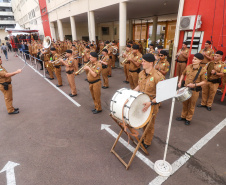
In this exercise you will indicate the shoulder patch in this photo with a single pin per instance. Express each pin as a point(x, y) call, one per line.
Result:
point(152, 78)
point(1, 69)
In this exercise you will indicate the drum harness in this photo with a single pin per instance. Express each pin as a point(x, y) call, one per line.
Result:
point(199, 88)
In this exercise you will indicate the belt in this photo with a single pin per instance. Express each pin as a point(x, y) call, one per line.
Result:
point(136, 71)
point(70, 72)
point(182, 61)
point(57, 67)
point(86, 62)
point(215, 81)
point(94, 81)
point(104, 66)
point(6, 83)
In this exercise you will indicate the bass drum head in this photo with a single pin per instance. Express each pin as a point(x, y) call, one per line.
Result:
point(138, 118)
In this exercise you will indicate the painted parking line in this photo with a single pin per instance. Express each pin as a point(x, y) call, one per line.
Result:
point(62, 92)
point(192, 151)
point(128, 146)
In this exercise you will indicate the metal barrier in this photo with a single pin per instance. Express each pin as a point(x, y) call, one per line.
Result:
point(32, 61)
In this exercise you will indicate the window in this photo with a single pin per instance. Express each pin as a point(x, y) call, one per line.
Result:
point(197, 42)
point(105, 30)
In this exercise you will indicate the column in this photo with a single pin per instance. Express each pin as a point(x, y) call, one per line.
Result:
point(122, 26)
point(130, 29)
point(60, 30)
point(176, 38)
point(113, 31)
point(53, 32)
point(73, 28)
point(91, 26)
point(154, 29)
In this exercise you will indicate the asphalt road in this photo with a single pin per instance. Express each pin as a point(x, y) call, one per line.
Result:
point(56, 142)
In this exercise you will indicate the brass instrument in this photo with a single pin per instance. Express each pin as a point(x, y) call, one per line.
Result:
point(105, 47)
point(210, 67)
point(115, 51)
point(156, 63)
point(81, 70)
point(124, 61)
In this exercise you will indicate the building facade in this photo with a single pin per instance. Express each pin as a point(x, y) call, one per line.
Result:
point(6, 18)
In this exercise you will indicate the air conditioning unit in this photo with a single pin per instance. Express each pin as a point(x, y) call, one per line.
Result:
point(187, 22)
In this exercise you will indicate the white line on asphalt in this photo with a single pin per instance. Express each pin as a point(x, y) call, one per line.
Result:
point(195, 148)
point(62, 92)
point(128, 146)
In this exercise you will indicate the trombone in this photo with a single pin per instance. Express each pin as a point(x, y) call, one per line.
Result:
point(81, 70)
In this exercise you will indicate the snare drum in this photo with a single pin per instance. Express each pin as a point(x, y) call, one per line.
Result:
point(183, 94)
point(133, 114)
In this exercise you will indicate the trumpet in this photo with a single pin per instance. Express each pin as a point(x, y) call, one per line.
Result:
point(81, 70)
point(124, 61)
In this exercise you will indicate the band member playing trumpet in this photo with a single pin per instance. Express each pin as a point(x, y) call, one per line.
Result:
point(94, 70)
point(210, 88)
point(71, 64)
point(207, 52)
point(181, 58)
point(191, 72)
point(162, 65)
point(104, 61)
point(57, 66)
point(134, 67)
point(86, 56)
point(125, 55)
point(148, 79)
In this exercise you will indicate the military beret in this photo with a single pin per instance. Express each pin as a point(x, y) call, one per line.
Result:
point(160, 47)
point(208, 42)
point(135, 47)
point(107, 42)
point(149, 57)
point(151, 45)
point(128, 46)
point(87, 47)
point(185, 43)
point(94, 54)
point(105, 50)
point(53, 49)
point(220, 52)
point(113, 41)
point(163, 52)
point(68, 51)
point(199, 56)
point(73, 45)
point(91, 44)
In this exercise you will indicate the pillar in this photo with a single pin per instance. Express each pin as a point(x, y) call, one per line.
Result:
point(154, 29)
point(176, 38)
point(73, 28)
point(130, 29)
point(91, 26)
point(122, 26)
point(60, 30)
point(52, 29)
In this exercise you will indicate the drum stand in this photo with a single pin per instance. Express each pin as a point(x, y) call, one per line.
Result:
point(138, 143)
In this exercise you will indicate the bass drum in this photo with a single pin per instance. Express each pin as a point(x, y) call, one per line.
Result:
point(133, 114)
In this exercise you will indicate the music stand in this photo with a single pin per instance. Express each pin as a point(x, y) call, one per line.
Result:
point(138, 143)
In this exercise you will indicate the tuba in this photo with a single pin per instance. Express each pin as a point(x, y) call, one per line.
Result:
point(115, 51)
point(47, 42)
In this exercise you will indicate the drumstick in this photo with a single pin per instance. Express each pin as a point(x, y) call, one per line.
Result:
point(24, 66)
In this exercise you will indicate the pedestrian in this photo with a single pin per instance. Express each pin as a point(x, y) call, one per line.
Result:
point(4, 50)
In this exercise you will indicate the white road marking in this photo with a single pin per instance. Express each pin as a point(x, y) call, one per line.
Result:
point(195, 148)
point(128, 146)
point(62, 92)
point(10, 175)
